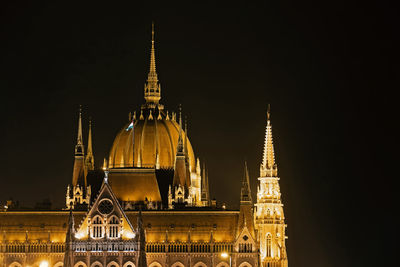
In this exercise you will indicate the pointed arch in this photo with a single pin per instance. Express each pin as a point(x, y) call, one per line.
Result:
point(155, 264)
point(15, 264)
point(58, 264)
point(200, 264)
point(80, 264)
point(112, 264)
point(178, 264)
point(96, 264)
point(129, 264)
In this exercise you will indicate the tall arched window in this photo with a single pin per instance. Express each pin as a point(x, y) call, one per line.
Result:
point(113, 227)
point(269, 245)
point(97, 227)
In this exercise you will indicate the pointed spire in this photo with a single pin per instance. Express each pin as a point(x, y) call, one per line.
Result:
point(152, 90)
point(89, 156)
point(79, 141)
point(180, 168)
point(180, 149)
point(78, 174)
point(245, 193)
point(268, 166)
point(205, 193)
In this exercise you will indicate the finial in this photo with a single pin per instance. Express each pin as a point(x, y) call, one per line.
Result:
point(152, 31)
point(268, 111)
point(105, 165)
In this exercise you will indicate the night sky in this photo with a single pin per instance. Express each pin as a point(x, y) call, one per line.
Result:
point(328, 71)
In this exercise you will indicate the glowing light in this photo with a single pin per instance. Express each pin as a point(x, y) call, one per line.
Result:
point(79, 235)
point(224, 255)
point(44, 264)
point(129, 234)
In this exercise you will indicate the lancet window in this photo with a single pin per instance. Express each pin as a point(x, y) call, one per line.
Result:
point(269, 245)
point(97, 227)
point(113, 227)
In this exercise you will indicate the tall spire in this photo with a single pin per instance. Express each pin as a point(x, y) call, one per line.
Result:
point(268, 166)
point(245, 193)
point(180, 170)
point(78, 175)
point(79, 141)
point(180, 149)
point(205, 193)
point(89, 160)
point(152, 89)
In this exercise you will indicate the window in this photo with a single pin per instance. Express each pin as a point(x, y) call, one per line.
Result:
point(269, 246)
point(97, 227)
point(113, 227)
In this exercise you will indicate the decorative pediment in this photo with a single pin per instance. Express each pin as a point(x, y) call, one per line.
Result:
point(105, 218)
point(245, 241)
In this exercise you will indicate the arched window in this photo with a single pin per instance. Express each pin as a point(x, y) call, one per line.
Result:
point(97, 227)
point(113, 227)
point(269, 245)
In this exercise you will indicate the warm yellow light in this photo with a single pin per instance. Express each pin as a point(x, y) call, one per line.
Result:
point(44, 264)
point(129, 234)
point(224, 255)
point(79, 235)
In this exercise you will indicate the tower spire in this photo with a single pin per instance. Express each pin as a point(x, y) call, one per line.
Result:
point(78, 175)
point(268, 165)
point(89, 160)
point(205, 193)
point(180, 150)
point(245, 194)
point(79, 140)
point(152, 89)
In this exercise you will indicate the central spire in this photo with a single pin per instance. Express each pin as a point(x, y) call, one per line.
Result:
point(152, 89)
point(268, 166)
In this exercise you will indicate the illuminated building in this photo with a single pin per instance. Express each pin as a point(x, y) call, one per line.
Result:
point(150, 205)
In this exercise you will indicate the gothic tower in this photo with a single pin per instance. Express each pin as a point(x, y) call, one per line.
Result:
point(79, 192)
point(269, 218)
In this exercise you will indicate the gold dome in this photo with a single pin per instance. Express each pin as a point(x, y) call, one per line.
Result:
point(154, 135)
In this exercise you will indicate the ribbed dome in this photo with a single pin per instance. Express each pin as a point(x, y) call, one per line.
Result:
point(153, 135)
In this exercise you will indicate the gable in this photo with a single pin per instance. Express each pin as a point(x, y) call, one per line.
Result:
point(105, 218)
point(245, 242)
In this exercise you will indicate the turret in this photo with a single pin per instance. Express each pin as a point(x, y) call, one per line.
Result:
point(78, 195)
point(180, 193)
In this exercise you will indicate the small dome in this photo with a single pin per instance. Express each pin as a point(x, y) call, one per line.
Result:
point(154, 135)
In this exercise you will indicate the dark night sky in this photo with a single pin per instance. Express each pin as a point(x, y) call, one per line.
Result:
point(328, 71)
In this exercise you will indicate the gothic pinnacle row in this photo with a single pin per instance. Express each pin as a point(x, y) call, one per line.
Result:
point(152, 89)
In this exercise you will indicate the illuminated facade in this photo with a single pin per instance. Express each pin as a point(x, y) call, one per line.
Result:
point(150, 205)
